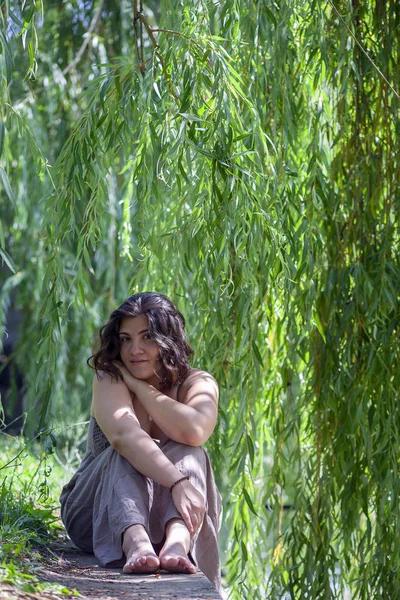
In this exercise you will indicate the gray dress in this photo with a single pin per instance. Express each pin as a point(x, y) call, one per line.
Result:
point(107, 495)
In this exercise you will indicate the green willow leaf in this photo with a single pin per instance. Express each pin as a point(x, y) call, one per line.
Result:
point(257, 353)
point(8, 260)
point(7, 186)
point(2, 134)
point(319, 326)
point(249, 502)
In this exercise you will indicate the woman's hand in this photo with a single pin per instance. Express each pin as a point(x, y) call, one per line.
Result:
point(190, 504)
point(128, 378)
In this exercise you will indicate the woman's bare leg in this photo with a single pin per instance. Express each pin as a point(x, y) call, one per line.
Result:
point(139, 551)
point(174, 554)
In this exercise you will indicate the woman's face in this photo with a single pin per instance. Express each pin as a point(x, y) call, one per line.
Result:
point(138, 351)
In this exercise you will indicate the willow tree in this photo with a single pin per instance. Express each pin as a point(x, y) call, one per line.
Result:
point(243, 158)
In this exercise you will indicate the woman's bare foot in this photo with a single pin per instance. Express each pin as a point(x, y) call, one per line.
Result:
point(174, 553)
point(139, 551)
point(174, 558)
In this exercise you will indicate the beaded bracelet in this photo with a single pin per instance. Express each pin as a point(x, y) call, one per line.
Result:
point(176, 482)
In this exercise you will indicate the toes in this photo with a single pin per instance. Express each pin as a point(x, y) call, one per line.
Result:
point(186, 565)
point(178, 564)
point(132, 566)
point(142, 564)
point(170, 562)
point(152, 562)
point(128, 568)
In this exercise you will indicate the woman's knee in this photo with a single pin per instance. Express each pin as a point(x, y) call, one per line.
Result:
point(181, 453)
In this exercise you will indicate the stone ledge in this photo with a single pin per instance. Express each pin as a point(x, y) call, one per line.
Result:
point(81, 571)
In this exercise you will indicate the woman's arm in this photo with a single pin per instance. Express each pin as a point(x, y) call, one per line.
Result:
point(190, 421)
point(113, 411)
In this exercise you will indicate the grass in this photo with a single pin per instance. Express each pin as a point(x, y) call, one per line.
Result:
point(31, 477)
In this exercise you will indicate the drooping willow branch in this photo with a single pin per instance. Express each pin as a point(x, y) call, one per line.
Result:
point(87, 39)
point(364, 50)
point(136, 20)
point(139, 17)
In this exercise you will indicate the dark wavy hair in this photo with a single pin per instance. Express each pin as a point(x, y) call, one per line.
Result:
point(166, 328)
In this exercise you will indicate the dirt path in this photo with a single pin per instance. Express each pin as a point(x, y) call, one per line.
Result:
point(81, 572)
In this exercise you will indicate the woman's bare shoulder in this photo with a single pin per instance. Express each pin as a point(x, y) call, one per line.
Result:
point(198, 374)
point(102, 378)
point(106, 386)
point(196, 377)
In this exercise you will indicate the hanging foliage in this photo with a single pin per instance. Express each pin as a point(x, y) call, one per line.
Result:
point(243, 158)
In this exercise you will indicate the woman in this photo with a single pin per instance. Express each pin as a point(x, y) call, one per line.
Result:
point(145, 488)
